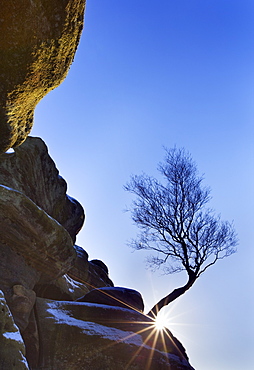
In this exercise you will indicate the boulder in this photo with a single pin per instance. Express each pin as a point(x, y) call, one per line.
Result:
point(81, 278)
point(62, 289)
point(101, 264)
point(80, 268)
point(12, 348)
point(98, 277)
point(78, 335)
point(29, 231)
point(21, 304)
point(37, 45)
point(32, 341)
point(115, 296)
point(93, 275)
point(31, 171)
point(15, 269)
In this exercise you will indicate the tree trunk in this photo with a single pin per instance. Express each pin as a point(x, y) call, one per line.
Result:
point(172, 296)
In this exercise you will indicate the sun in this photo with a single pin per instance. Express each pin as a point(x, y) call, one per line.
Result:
point(161, 321)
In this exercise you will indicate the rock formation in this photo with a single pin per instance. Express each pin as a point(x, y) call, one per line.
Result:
point(54, 293)
point(94, 336)
point(31, 171)
point(37, 45)
point(12, 348)
point(58, 310)
point(117, 296)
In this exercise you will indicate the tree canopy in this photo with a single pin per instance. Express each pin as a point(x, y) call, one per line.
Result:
point(174, 221)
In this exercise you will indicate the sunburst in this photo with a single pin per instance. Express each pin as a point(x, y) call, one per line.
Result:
point(154, 332)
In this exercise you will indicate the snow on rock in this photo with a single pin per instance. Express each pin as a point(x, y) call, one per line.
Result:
point(12, 348)
point(94, 336)
point(13, 336)
point(62, 316)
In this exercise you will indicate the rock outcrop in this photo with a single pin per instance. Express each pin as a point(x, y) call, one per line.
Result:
point(37, 45)
point(31, 171)
point(32, 233)
point(94, 336)
point(116, 296)
point(49, 284)
point(58, 310)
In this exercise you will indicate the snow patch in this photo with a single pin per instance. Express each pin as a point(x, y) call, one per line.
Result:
point(72, 284)
point(14, 335)
point(56, 304)
point(90, 328)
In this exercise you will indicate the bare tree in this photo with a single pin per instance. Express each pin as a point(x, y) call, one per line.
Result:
point(175, 223)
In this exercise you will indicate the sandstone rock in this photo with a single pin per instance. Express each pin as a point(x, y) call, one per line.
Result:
point(92, 336)
point(88, 273)
point(15, 269)
point(32, 342)
point(37, 45)
point(62, 289)
point(82, 277)
point(97, 277)
point(115, 296)
point(21, 304)
point(101, 264)
point(12, 349)
point(31, 171)
point(80, 268)
point(30, 232)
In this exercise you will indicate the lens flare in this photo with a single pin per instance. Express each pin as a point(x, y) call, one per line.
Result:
point(160, 322)
point(153, 333)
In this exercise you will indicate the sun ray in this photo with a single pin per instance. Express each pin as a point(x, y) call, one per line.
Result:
point(156, 328)
point(140, 348)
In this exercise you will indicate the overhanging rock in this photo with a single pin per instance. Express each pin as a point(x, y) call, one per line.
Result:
point(37, 45)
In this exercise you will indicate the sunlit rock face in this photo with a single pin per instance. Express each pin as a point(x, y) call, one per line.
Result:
point(12, 348)
point(37, 45)
point(89, 336)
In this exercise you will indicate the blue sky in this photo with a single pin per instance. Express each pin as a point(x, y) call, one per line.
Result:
point(168, 73)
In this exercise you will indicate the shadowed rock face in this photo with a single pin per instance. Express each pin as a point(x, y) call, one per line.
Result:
point(115, 296)
point(82, 277)
point(93, 336)
point(12, 348)
point(37, 45)
point(31, 171)
point(31, 233)
point(38, 259)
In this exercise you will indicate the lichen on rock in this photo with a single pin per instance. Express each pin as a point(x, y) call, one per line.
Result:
point(37, 45)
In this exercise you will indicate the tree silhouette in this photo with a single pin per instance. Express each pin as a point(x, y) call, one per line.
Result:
point(175, 223)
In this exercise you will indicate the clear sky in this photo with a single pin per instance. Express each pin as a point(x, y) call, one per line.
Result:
point(148, 74)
